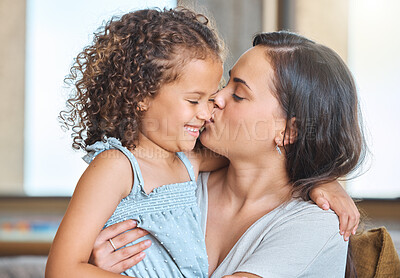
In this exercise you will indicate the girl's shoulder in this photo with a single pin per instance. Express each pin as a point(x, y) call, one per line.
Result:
point(113, 165)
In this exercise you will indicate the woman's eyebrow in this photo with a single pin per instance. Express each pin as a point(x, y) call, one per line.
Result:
point(239, 80)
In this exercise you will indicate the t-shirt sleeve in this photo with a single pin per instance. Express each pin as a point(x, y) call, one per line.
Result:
point(308, 245)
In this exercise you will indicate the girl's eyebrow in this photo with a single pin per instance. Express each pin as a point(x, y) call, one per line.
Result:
point(200, 93)
point(195, 92)
point(239, 80)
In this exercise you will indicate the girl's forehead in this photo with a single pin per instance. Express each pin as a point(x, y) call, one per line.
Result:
point(198, 76)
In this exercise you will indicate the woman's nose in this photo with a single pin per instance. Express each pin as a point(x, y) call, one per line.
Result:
point(220, 99)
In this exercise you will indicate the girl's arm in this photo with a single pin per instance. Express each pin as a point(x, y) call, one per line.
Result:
point(91, 205)
point(205, 160)
point(332, 195)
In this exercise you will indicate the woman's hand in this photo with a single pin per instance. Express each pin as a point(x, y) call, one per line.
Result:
point(103, 253)
point(332, 195)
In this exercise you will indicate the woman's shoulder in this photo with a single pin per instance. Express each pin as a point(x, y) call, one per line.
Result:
point(300, 211)
point(297, 239)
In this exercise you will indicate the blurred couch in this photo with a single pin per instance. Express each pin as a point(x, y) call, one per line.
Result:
point(22, 267)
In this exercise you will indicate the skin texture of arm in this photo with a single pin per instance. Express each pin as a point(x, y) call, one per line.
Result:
point(104, 183)
point(333, 196)
point(205, 160)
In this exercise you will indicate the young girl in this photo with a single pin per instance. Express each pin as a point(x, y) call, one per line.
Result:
point(143, 91)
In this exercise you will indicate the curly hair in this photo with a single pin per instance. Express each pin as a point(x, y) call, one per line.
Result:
point(130, 59)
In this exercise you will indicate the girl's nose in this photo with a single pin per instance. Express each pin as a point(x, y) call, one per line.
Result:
point(204, 113)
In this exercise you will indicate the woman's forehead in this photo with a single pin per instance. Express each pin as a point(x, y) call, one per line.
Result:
point(254, 68)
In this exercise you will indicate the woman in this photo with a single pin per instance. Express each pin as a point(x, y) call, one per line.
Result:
point(287, 121)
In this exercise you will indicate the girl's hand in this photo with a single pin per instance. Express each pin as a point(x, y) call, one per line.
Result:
point(332, 195)
point(103, 253)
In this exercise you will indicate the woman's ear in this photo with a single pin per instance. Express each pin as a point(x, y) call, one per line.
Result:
point(288, 135)
point(291, 131)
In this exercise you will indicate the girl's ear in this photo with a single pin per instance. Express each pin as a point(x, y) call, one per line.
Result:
point(288, 137)
point(143, 105)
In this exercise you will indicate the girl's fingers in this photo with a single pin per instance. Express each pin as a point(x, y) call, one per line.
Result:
point(343, 220)
point(353, 222)
point(322, 202)
point(355, 229)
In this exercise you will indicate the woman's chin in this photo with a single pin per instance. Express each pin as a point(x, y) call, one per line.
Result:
point(204, 139)
point(208, 142)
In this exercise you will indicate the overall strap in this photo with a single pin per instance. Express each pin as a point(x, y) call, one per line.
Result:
point(114, 143)
point(188, 165)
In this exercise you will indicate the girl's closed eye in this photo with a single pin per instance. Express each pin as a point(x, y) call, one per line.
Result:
point(212, 98)
point(193, 101)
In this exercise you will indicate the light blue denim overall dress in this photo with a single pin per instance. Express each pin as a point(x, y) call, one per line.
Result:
point(170, 213)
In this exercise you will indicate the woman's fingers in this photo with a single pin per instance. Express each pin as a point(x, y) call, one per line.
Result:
point(114, 257)
point(127, 263)
point(128, 237)
point(116, 229)
point(127, 257)
point(120, 260)
point(129, 251)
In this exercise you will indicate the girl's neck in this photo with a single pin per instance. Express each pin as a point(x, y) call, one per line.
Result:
point(150, 151)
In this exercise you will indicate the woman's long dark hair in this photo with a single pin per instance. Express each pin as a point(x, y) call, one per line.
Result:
point(315, 87)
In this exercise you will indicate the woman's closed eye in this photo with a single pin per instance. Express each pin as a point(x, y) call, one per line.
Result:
point(193, 101)
point(236, 97)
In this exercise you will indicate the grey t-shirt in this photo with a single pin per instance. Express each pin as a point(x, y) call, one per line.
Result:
point(297, 239)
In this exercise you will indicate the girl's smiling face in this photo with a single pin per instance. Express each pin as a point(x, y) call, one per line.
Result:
point(247, 115)
point(178, 111)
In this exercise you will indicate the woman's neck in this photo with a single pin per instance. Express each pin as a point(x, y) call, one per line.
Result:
point(252, 182)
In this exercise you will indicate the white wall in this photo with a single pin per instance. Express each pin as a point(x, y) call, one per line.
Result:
point(374, 58)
